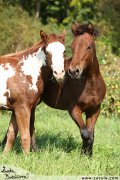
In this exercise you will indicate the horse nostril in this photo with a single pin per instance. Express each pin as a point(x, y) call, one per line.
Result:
point(62, 71)
point(74, 72)
point(55, 72)
point(77, 70)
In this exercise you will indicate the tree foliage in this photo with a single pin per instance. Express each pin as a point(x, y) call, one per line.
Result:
point(106, 13)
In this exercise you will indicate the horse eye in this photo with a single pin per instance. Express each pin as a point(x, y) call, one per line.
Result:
point(89, 46)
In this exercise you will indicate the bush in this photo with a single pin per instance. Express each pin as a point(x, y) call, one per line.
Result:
point(17, 30)
point(111, 74)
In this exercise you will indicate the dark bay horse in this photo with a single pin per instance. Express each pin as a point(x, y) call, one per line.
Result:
point(83, 90)
point(23, 76)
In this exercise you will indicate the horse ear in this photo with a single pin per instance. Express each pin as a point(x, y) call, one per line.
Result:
point(74, 27)
point(62, 35)
point(90, 28)
point(43, 35)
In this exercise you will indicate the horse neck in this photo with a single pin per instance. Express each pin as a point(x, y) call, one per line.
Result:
point(34, 64)
point(46, 71)
point(94, 67)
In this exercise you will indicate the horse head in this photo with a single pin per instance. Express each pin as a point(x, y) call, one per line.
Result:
point(54, 50)
point(83, 49)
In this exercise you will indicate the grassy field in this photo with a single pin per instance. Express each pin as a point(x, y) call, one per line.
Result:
point(59, 144)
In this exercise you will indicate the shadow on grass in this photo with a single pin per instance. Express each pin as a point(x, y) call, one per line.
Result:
point(51, 141)
point(67, 144)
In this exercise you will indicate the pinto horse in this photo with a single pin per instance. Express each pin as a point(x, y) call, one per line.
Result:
point(83, 89)
point(23, 77)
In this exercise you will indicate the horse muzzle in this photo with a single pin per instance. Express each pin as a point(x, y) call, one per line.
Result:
point(59, 76)
point(74, 73)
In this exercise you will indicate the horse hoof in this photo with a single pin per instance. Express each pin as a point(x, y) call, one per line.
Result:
point(87, 152)
point(34, 148)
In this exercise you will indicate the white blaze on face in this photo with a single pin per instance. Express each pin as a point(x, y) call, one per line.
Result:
point(6, 72)
point(32, 66)
point(57, 51)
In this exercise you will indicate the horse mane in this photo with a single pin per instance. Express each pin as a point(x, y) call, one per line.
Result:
point(30, 50)
point(81, 29)
point(18, 55)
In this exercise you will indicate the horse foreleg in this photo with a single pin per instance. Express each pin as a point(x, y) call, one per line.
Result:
point(32, 131)
point(22, 113)
point(91, 118)
point(13, 131)
point(11, 134)
point(76, 115)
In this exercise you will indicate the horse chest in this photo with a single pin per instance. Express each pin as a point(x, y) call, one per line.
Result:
point(90, 97)
point(89, 100)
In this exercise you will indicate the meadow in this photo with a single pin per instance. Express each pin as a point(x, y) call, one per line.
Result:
point(58, 137)
point(59, 146)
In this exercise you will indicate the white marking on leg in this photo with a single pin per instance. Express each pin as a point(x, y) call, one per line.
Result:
point(6, 72)
point(32, 66)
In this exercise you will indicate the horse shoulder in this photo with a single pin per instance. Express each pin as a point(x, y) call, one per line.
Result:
point(94, 92)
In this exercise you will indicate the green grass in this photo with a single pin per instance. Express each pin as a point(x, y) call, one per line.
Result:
point(59, 144)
